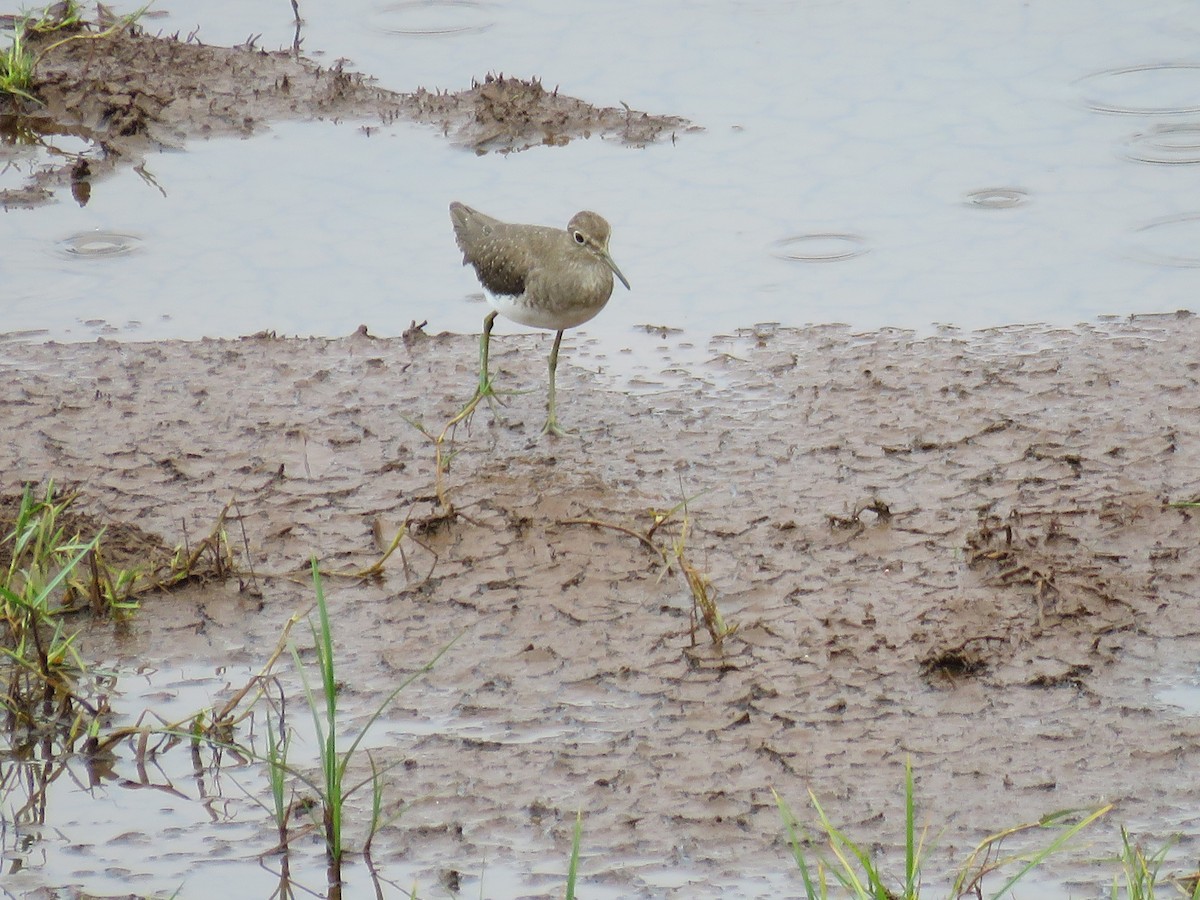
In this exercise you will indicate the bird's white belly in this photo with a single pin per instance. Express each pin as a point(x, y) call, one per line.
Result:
point(537, 316)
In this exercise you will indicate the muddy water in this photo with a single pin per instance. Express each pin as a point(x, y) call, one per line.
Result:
point(892, 127)
point(958, 549)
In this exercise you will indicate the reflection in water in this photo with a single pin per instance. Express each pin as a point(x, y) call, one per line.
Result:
point(38, 147)
point(822, 247)
point(16, 130)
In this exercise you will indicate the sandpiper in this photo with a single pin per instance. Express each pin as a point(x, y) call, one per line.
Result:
point(538, 276)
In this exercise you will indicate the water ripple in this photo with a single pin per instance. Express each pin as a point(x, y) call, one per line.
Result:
point(996, 198)
point(432, 18)
point(821, 247)
point(1170, 241)
point(1153, 89)
point(98, 245)
point(1166, 145)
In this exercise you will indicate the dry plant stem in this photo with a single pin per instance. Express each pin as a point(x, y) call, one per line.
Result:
point(698, 585)
point(241, 520)
point(122, 23)
point(376, 568)
point(985, 858)
point(280, 646)
point(142, 732)
point(697, 581)
point(216, 542)
point(446, 508)
point(644, 538)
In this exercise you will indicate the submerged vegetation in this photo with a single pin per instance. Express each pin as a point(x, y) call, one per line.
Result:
point(50, 574)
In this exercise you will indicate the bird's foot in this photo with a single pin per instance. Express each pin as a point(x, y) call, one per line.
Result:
point(552, 427)
point(485, 390)
point(495, 398)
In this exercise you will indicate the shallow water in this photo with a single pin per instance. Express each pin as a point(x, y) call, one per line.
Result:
point(868, 163)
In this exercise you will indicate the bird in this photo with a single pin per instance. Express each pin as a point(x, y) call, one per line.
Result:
point(539, 276)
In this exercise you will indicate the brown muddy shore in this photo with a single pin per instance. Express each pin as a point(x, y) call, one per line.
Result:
point(973, 550)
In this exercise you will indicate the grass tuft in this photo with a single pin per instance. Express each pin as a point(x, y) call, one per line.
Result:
point(332, 789)
point(18, 64)
point(16, 67)
point(43, 564)
point(854, 870)
point(1140, 873)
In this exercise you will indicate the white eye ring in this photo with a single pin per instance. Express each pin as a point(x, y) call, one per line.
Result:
point(579, 237)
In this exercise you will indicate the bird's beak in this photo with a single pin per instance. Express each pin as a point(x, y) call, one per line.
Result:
point(612, 265)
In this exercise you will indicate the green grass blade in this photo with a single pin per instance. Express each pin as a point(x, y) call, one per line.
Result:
point(1055, 845)
point(912, 875)
point(332, 767)
point(848, 876)
point(789, 824)
point(573, 867)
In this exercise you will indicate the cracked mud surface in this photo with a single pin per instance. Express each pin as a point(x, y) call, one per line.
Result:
point(961, 548)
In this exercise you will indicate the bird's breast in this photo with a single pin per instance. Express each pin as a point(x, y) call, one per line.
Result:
point(558, 297)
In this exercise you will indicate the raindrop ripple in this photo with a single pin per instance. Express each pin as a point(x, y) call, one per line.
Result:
point(821, 247)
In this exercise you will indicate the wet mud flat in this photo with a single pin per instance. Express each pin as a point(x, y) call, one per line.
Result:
point(971, 550)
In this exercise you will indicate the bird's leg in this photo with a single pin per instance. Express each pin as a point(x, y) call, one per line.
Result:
point(485, 380)
point(552, 426)
point(484, 388)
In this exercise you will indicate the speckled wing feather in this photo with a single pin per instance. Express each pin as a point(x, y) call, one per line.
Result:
point(501, 259)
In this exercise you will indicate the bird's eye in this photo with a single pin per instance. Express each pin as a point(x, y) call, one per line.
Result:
point(579, 237)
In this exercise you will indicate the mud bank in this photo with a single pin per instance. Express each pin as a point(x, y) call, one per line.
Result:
point(970, 549)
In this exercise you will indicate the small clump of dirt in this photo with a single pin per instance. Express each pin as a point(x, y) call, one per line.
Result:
point(507, 114)
point(127, 92)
